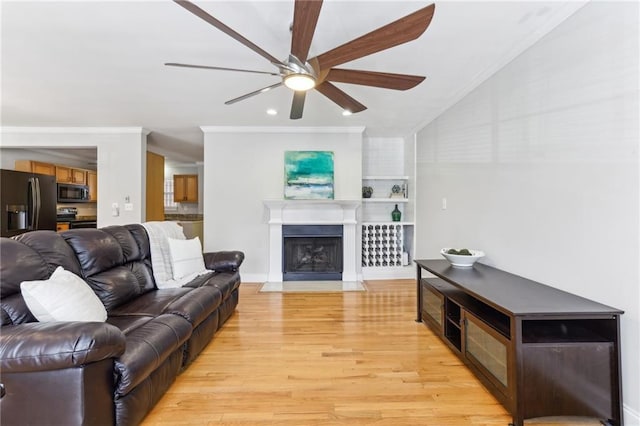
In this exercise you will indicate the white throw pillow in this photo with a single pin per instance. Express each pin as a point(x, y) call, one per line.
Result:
point(63, 297)
point(186, 257)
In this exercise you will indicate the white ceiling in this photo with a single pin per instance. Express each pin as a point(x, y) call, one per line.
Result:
point(100, 63)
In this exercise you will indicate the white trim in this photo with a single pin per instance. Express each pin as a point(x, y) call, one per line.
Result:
point(279, 129)
point(252, 278)
point(388, 273)
point(310, 212)
point(75, 130)
point(630, 416)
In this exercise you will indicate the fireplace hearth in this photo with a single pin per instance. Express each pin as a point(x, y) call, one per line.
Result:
point(312, 252)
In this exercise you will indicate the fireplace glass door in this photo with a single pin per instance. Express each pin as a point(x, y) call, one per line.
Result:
point(312, 257)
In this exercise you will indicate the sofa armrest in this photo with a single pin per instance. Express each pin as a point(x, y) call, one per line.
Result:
point(57, 345)
point(221, 261)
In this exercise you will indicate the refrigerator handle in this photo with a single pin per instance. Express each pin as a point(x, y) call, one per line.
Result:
point(34, 203)
point(38, 203)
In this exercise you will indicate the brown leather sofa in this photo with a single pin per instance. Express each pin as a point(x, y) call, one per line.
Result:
point(93, 373)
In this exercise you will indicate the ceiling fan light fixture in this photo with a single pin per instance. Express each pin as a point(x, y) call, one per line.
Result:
point(299, 82)
point(346, 113)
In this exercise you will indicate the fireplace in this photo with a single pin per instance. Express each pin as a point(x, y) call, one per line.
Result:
point(312, 252)
point(284, 213)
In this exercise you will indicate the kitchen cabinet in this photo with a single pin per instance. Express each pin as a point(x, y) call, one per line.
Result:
point(539, 350)
point(92, 182)
point(62, 226)
point(35, 167)
point(66, 174)
point(185, 188)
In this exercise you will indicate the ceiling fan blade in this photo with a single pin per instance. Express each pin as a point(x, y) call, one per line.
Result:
point(297, 106)
point(225, 29)
point(206, 67)
point(377, 79)
point(401, 31)
point(305, 18)
point(345, 101)
point(256, 92)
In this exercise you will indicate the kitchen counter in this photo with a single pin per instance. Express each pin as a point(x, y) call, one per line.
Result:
point(192, 228)
point(183, 217)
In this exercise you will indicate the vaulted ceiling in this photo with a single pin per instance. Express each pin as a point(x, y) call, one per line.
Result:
point(101, 63)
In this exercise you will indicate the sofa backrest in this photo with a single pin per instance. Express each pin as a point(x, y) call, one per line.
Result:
point(28, 257)
point(115, 261)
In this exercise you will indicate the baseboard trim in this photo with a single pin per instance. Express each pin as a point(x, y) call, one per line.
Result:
point(631, 416)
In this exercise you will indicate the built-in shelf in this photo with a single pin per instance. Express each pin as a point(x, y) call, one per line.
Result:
point(385, 177)
point(385, 200)
point(388, 223)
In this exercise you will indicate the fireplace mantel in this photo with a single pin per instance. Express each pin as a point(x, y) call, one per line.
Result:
point(312, 212)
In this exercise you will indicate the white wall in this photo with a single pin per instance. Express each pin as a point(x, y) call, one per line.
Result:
point(121, 163)
point(245, 166)
point(540, 169)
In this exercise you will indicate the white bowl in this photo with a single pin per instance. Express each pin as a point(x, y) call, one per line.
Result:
point(461, 260)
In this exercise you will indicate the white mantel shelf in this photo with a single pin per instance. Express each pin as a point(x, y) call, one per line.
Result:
point(312, 212)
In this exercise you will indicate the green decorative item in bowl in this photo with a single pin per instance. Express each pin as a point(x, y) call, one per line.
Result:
point(463, 258)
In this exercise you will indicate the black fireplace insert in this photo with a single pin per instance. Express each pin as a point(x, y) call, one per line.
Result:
point(312, 252)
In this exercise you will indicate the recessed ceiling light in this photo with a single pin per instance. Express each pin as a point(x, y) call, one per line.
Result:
point(346, 112)
point(272, 111)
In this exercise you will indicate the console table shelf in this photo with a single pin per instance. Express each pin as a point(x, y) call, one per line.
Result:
point(539, 350)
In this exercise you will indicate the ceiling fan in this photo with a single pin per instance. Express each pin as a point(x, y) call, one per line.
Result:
point(301, 74)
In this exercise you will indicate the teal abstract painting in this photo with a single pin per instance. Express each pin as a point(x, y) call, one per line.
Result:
point(308, 175)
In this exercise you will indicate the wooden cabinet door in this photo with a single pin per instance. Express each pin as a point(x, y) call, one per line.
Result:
point(70, 175)
point(155, 187)
point(488, 351)
point(35, 167)
point(185, 188)
point(63, 174)
point(179, 188)
point(79, 176)
point(191, 189)
point(432, 306)
point(43, 168)
point(92, 181)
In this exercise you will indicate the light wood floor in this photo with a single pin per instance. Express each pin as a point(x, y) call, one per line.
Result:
point(354, 358)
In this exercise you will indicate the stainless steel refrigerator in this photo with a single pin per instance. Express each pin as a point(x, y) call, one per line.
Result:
point(28, 202)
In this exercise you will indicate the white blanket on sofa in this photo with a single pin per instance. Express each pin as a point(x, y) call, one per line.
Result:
point(159, 233)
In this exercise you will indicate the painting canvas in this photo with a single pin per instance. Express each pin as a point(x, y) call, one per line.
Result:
point(308, 175)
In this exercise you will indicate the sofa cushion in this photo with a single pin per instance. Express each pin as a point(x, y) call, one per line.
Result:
point(112, 264)
point(135, 249)
point(96, 250)
point(194, 305)
point(19, 263)
point(147, 347)
point(226, 282)
point(186, 257)
point(53, 249)
point(63, 297)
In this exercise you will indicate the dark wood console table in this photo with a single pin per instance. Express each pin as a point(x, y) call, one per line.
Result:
point(539, 350)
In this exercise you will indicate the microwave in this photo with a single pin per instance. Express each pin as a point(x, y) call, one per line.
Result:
point(69, 193)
